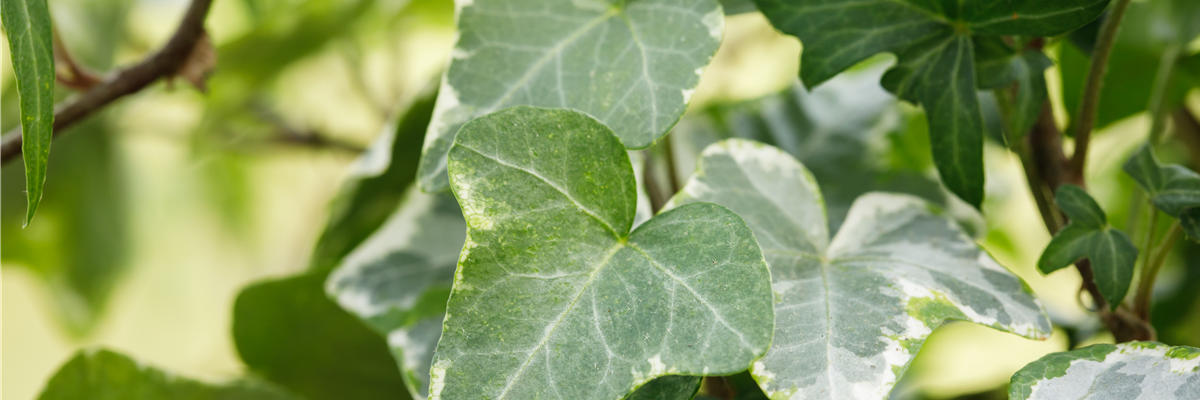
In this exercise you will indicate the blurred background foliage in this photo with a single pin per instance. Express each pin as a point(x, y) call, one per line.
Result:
point(161, 209)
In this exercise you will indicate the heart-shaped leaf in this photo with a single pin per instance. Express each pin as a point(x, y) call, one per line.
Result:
point(1127, 371)
point(104, 374)
point(27, 23)
point(936, 66)
point(554, 296)
point(852, 312)
point(1110, 251)
point(633, 65)
point(1173, 189)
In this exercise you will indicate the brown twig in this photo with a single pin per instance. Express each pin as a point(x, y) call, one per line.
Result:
point(77, 77)
point(164, 63)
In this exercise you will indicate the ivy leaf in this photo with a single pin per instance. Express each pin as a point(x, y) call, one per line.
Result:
point(374, 186)
point(1111, 252)
point(288, 332)
point(1173, 189)
point(27, 24)
point(936, 66)
point(398, 280)
point(104, 374)
point(853, 311)
point(841, 131)
point(555, 296)
point(1000, 65)
point(1147, 30)
point(670, 387)
point(632, 65)
point(1136, 370)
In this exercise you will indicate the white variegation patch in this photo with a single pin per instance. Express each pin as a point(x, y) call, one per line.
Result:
point(1128, 371)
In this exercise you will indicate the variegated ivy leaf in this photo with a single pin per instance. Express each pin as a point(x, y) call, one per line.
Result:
point(853, 311)
point(1110, 251)
point(398, 280)
point(631, 64)
point(936, 64)
point(1173, 189)
point(554, 297)
point(1127, 371)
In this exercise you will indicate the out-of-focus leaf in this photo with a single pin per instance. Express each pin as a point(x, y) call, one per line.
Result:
point(1147, 30)
point(853, 311)
point(80, 245)
point(936, 66)
point(734, 387)
point(734, 7)
point(670, 387)
point(30, 44)
point(632, 65)
point(1127, 371)
point(398, 280)
point(288, 332)
point(840, 130)
point(283, 37)
point(107, 375)
point(554, 296)
point(999, 65)
point(1176, 316)
point(1111, 252)
point(375, 185)
point(1172, 188)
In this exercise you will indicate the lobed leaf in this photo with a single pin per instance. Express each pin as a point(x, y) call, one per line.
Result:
point(104, 374)
point(1088, 235)
point(1127, 371)
point(632, 65)
point(27, 24)
point(936, 58)
point(555, 297)
point(852, 312)
point(849, 133)
point(1172, 188)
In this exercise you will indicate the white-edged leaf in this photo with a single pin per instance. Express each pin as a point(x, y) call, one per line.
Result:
point(1127, 371)
point(853, 311)
point(554, 297)
point(398, 280)
point(632, 65)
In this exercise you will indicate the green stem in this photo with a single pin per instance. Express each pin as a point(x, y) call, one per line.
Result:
point(1150, 271)
point(1091, 90)
point(1158, 95)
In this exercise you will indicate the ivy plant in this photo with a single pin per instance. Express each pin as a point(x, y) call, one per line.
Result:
point(559, 221)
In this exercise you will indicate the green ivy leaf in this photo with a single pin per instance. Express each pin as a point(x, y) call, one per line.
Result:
point(1000, 65)
point(936, 66)
point(1173, 189)
point(852, 312)
point(375, 185)
point(27, 24)
point(1111, 252)
point(288, 332)
point(1147, 30)
point(633, 65)
point(555, 296)
point(104, 374)
point(1127, 371)
point(670, 387)
point(398, 280)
